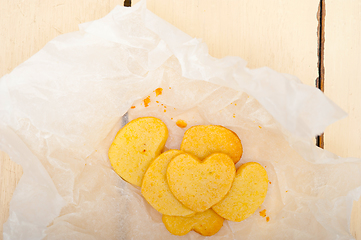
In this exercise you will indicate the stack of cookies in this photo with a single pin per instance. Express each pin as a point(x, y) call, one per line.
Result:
point(196, 187)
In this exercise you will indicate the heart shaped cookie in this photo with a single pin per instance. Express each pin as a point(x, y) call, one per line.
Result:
point(135, 146)
point(155, 188)
point(200, 184)
point(203, 140)
point(248, 192)
point(205, 223)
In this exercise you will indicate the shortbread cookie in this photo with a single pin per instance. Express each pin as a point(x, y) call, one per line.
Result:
point(155, 188)
point(203, 140)
point(206, 223)
point(135, 146)
point(248, 192)
point(200, 184)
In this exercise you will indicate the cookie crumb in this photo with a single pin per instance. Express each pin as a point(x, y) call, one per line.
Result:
point(146, 101)
point(267, 219)
point(262, 213)
point(158, 91)
point(181, 123)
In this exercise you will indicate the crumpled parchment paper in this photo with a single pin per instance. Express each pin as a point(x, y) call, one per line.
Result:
point(60, 110)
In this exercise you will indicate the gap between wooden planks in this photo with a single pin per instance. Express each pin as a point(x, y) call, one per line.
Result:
point(187, 16)
point(321, 51)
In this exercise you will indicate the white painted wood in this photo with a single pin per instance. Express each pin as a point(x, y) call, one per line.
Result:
point(343, 82)
point(343, 74)
point(280, 34)
point(25, 27)
point(10, 174)
point(283, 36)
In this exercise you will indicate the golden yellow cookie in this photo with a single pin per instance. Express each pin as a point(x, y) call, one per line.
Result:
point(205, 223)
point(203, 140)
point(200, 185)
point(248, 192)
point(135, 146)
point(155, 188)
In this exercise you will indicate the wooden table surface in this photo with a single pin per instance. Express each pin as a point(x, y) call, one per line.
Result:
point(284, 35)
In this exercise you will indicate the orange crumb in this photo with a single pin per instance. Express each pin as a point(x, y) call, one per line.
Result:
point(259, 126)
point(132, 107)
point(157, 101)
point(158, 91)
point(267, 219)
point(146, 101)
point(286, 191)
point(165, 110)
point(171, 118)
point(161, 104)
point(262, 213)
point(234, 116)
point(170, 88)
point(144, 150)
point(181, 123)
point(270, 183)
point(165, 106)
point(235, 104)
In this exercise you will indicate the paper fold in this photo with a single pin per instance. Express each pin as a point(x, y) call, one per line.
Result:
point(60, 111)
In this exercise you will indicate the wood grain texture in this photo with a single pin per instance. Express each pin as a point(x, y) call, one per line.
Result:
point(343, 83)
point(10, 174)
point(343, 74)
point(26, 26)
point(280, 34)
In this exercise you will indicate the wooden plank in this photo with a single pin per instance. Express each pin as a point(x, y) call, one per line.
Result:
point(278, 34)
point(343, 82)
point(25, 27)
point(282, 35)
point(10, 174)
point(343, 74)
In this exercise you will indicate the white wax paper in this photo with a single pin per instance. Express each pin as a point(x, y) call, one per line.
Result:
point(60, 110)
